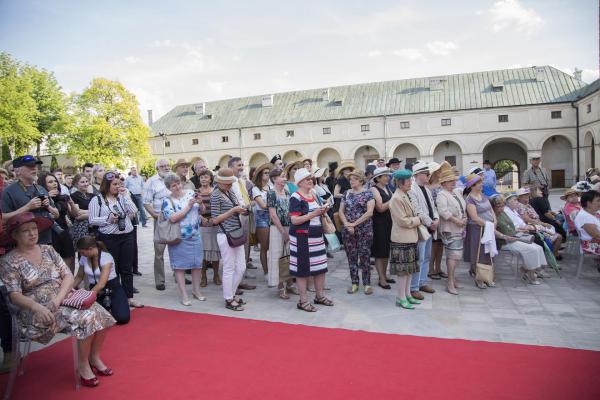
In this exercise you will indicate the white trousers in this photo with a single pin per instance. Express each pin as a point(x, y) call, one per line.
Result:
point(234, 266)
point(533, 255)
point(276, 247)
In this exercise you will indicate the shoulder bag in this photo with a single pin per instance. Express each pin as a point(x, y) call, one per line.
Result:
point(235, 237)
point(167, 232)
point(326, 223)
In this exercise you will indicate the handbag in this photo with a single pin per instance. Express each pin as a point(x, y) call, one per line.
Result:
point(333, 243)
point(167, 232)
point(423, 233)
point(284, 264)
point(80, 299)
point(483, 272)
point(236, 237)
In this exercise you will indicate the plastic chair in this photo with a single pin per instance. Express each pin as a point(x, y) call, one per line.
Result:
point(19, 357)
point(582, 256)
point(514, 255)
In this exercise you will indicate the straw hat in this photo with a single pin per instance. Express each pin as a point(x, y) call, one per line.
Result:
point(569, 192)
point(262, 167)
point(444, 174)
point(346, 165)
point(321, 172)
point(15, 222)
point(288, 167)
point(179, 163)
point(472, 179)
point(301, 175)
point(225, 175)
point(435, 170)
point(357, 173)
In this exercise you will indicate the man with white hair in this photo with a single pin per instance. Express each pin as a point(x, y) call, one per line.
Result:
point(154, 193)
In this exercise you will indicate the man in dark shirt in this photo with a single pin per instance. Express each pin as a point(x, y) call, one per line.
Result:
point(26, 195)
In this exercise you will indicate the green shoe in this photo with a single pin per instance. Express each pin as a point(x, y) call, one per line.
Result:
point(412, 300)
point(404, 304)
point(353, 289)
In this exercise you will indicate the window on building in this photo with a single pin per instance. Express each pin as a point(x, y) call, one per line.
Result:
point(257, 136)
point(224, 139)
point(404, 125)
point(451, 160)
point(556, 114)
point(365, 128)
point(326, 131)
point(446, 122)
point(589, 108)
point(503, 118)
point(194, 142)
point(167, 144)
point(289, 133)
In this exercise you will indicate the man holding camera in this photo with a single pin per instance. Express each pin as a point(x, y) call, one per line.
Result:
point(25, 195)
point(537, 176)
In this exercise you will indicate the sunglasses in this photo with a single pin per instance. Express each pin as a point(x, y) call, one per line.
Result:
point(110, 176)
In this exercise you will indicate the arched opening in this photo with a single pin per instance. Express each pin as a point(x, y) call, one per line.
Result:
point(291, 156)
point(364, 155)
point(448, 151)
point(557, 158)
point(509, 159)
point(407, 152)
point(257, 159)
point(327, 156)
point(589, 151)
point(224, 160)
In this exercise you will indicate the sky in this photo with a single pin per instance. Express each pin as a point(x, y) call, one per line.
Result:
point(179, 52)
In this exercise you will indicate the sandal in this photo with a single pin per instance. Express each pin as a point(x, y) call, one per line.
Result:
point(491, 284)
point(323, 301)
point(239, 300)
point(480, 285)
point(352, 289)
point(443, 275)
point(235, 307)
point(404, 304)
point(306, 306)
point(412, 300)
point(368, 290)
point(386, 286)
point(435, 276)
point(283, 295)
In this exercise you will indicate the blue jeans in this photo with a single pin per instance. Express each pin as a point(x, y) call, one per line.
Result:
point(137, 199)
point(420, 279)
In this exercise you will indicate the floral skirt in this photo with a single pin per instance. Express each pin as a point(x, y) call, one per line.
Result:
point(404, 258)
point(591, 246)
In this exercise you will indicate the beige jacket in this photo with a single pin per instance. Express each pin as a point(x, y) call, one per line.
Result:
point(404, 219)
point(450, 205)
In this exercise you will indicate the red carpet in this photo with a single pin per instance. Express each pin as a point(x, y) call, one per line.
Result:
point(166, 354)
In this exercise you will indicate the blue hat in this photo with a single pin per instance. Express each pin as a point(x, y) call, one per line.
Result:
point(402, 174)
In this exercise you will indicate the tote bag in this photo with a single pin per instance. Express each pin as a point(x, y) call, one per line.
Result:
point(167, 232)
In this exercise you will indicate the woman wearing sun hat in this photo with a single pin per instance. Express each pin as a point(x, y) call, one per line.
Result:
point(571, 208)
point(404, 259)
point(479, 211)
point(382, 224)
point(307, 246)
point(261, 210)
point(453, 220)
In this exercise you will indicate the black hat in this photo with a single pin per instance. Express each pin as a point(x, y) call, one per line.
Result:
point(26, 160)
point(370, 169)
point(393, 161)
point(333, 166)
point(275, 158)
point(487, 162)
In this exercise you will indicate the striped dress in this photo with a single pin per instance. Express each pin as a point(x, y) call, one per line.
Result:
point(308, 252)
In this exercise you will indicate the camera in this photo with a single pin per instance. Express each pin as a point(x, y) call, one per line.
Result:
point(105, 298)
point(121, 218)
point(41, 197)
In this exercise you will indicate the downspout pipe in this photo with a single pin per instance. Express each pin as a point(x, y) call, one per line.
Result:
point(577, 139)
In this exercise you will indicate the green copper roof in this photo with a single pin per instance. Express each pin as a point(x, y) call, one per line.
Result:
point(503, 88)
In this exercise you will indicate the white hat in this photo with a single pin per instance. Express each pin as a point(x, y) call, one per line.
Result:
point(419, 167)
point(523, 191)
point(301, 174)
point(320, 172)
point(433, 167)
point(381, 171)
point(475, 170)
point(535, 155)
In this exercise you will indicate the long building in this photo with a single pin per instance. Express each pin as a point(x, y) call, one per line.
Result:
point(465, 118)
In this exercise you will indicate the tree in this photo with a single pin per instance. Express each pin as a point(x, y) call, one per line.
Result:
point(503, 167)
point(18, 111)
point(107, 126)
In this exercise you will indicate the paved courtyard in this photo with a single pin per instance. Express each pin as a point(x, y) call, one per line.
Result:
point(559, 312)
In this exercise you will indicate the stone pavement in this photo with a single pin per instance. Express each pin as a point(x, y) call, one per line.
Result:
point(555, 313)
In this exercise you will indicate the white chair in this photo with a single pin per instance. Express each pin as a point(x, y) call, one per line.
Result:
point(516, 260)
point(19, 356)
point(582, 256)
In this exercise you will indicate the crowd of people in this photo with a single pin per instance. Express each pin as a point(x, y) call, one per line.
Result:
point(64, 231)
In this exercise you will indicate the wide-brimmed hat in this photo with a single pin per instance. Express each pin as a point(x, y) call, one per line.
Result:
point(262, 167)
point(289, 166)
point(444, 174)
point(393, 160)
point(179, 163)
point(472, 179)
point(23, 218)
point(225, 175)
point(475, 170)
point(509, 195)
point(357, 173)
point(420, 167)
point(275, 158)
point(434, 171)
point(321, 172)
point(569, 192)
point(523, 191)
point(301, 175)
point(380, 172)
point(582, 186)
point(346, 165)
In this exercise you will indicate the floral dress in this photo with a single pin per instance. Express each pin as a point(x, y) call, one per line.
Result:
point(358, 245)
point(526, 210)
point(41, 283)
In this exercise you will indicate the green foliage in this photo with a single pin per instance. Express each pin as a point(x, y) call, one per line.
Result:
point(5, 152)
point(107, 127)
point(503, 167)
point(148, 168)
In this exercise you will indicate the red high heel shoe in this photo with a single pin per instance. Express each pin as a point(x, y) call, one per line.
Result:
point(105, 372)
point(93, 382)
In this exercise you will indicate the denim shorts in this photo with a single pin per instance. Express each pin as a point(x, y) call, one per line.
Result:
point(262, 218)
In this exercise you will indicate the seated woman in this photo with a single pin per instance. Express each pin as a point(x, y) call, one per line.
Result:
point(98, 266)
point(542, 207)
point(38, 280)
point(571, 208)
point(530, 216)
point(588, 224)
point(507, 238)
